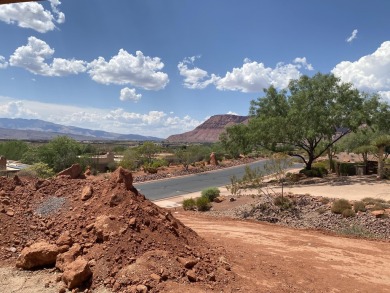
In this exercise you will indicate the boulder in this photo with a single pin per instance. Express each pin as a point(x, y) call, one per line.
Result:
point(121, 175)
point(39, 254)
point(74, 171)
point(213, 159)
point(76, 273)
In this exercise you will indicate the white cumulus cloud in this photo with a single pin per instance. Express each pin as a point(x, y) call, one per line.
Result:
point(254, 77)
point(16, 109)
point(32, 57)
point(124, 68)
point(128, 94)
point(352, 37)
point(303, 62)
point(251, 77)
point(32, 15)
point(370, 72)
point(194, 78)
point(3, 62)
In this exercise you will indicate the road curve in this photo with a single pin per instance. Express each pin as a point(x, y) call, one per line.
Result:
point(160, 189)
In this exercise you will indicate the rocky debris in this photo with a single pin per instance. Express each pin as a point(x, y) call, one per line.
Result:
point(210, 130)
point(73, 172)
point(69, 256)
point(305, 211)
point(40, 254)
point(126, 240)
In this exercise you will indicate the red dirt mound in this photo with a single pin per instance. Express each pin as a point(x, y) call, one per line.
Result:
point(106, 227)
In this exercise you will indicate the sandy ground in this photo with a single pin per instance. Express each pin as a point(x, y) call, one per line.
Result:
point(271, 258)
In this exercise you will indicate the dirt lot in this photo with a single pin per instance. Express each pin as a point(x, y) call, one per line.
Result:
point(271, 258)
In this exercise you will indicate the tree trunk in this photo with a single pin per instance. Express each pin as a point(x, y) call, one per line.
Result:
point(309, 163)
point(381, 151)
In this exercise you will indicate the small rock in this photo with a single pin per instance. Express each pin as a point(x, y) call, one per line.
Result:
point(187, 263)
point(191, 275)
point(142, 289)
point(86, 193)
point(10, 212)
point(155, 277)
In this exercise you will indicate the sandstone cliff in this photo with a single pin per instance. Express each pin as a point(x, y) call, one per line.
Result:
point(210, 130)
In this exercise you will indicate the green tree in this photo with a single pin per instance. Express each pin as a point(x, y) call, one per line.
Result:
point(308, 119)
point(14, 149)
point(191, 154)
point(131, 159)
point(60, 153)
point(236, 140)
point(148, 150)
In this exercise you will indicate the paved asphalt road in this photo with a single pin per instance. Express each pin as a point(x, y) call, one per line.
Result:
point(187, 184)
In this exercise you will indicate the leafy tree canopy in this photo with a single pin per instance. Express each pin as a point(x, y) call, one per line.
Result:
point(309, 117)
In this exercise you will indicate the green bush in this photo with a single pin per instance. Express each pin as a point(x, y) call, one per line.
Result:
point(348, 213)
point(203, 204)
point(359, 206)
point(340, 205)
point(189, 204)
point(210, 193)
point(321, 165)
point(347, 169)
point(284, 203)
point(39, 170)
point(314, 172)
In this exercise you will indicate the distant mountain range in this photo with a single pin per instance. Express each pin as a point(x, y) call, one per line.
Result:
point(210, 130)
point(35, 129)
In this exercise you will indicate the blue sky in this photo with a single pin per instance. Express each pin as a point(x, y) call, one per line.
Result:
point(157, 68)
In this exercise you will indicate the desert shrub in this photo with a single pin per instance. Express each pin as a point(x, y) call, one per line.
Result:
point(359, 206)
point(189, 204)
point(159, 163)
point(210, 193)
point(347, 169)
point(356, 230)
point(314, 172)
point(284, 203)
point(371, 200)
point(348, 213)
point(39, 170)
point(325, 200)
point(203, 204)
point(340, 205)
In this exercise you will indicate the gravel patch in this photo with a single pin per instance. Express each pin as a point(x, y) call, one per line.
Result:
point(50, 206)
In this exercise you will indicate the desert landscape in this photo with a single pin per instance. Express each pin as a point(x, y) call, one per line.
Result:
point(102, 227)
